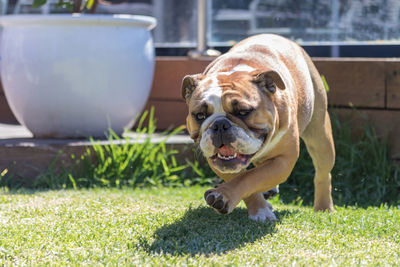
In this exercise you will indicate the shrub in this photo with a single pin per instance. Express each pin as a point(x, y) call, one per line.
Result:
point(126, 162)
point(364, 173)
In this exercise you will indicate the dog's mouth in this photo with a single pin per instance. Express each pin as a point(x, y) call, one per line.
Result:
point(229, 157)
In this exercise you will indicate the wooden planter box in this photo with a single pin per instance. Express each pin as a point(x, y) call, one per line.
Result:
point(372, 86)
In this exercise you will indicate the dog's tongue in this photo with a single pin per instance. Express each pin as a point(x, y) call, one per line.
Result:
point(226, 151)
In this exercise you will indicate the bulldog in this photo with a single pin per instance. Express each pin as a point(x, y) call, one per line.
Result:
point(251, 105)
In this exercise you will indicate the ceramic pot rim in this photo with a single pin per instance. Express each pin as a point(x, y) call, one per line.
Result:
point(77, 19)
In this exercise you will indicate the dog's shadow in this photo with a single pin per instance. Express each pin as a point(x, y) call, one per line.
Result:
point(202, 231)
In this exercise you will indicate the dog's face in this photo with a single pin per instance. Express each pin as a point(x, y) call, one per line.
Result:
point(231, 115)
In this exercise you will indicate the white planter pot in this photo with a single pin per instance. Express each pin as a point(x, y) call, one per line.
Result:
point(76, 75)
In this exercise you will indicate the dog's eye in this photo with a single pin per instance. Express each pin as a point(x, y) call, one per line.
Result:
point(243, 113)
point(200, 116)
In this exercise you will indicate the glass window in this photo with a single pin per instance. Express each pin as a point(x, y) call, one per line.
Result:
point(307, 21)
point(176, 19)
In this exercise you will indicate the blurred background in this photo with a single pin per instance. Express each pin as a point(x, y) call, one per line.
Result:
point(326, 28)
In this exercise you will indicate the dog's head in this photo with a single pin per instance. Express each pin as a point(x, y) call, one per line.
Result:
point(231, 114)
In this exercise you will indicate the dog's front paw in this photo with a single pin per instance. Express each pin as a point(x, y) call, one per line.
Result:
point(217, 201)
point(221, 199)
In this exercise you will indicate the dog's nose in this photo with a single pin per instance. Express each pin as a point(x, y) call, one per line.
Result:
point(221, 132)
point(221, 125)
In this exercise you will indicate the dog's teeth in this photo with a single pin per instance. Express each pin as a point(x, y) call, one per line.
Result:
point(226, 157)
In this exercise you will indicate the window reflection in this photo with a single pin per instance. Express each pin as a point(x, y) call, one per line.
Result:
point(308, 21)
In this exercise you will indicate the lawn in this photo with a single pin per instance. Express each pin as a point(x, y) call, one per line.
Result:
point(167, 226)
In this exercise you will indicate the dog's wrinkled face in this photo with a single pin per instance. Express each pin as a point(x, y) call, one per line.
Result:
point(231, 115)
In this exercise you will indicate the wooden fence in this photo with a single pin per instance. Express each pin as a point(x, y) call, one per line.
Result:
point(371, 86)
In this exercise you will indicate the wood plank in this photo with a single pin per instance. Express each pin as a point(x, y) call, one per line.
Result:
point(392, 70)
point(169, 72)
point(385, 122)
point(169, 114)
point(357, 83)
point(25, 158)
point(360, 82)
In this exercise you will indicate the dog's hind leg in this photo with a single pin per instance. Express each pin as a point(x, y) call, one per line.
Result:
point(320, 146)
point(259, 209)
point(319, 141)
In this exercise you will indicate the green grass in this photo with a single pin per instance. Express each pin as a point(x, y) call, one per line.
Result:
point(166, 226)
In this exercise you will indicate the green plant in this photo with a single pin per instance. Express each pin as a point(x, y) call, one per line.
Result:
point(76, 6)
point(129, 164)
point(126, 162)
point(364, 173)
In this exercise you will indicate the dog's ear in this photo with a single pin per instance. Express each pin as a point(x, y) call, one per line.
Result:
point(269, 80)
point(189, 84)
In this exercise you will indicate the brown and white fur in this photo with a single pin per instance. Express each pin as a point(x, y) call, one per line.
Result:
point(251, 105)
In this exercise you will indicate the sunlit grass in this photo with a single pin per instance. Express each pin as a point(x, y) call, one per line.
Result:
point(168, 226)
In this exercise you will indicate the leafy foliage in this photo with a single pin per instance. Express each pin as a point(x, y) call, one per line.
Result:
point(126, 162)
point(364, 173)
